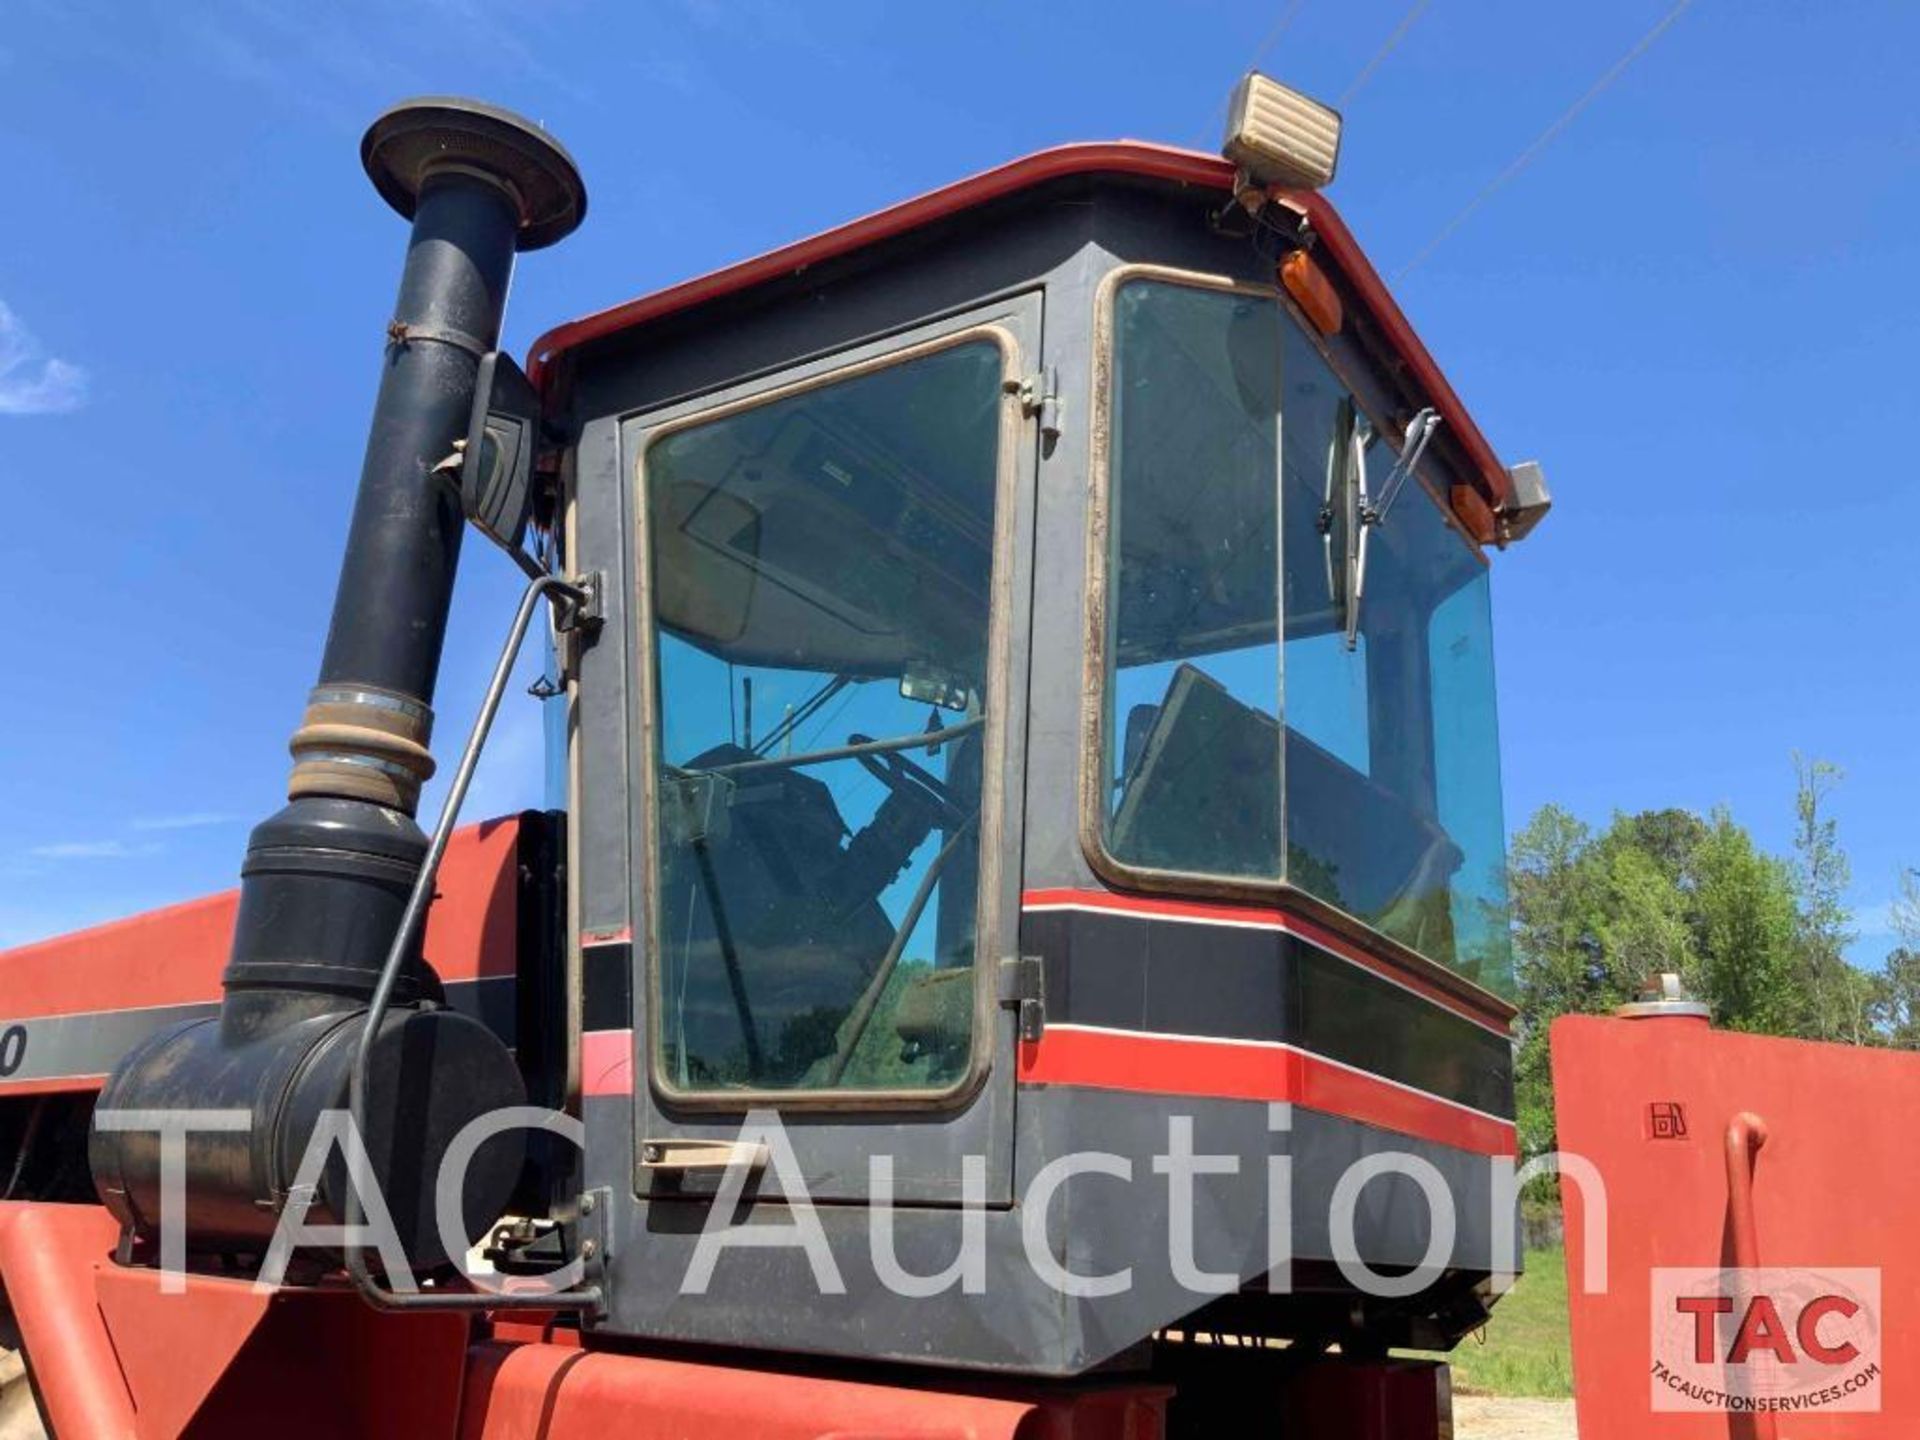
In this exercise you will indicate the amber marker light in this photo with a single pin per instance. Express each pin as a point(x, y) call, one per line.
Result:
point(1312, 292)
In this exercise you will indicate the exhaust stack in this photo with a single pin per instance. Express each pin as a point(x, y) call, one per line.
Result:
point(326, 879)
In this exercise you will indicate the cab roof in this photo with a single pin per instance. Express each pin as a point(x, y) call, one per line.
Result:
point(1336, 249)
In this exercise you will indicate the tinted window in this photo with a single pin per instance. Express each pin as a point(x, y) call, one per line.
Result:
point(821, 576)
point(1231, 679)
point(1193, 612)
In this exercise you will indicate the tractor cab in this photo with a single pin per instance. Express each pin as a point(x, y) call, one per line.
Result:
point(1044, 710)
point(1030, 891)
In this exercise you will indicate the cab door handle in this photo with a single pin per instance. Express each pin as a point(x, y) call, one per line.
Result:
point(681, 1155)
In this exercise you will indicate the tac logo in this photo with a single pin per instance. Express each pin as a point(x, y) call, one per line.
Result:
point(1770, 1339)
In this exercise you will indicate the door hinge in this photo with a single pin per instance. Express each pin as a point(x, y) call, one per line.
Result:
point(595, 1234)
point(1021, 988)
point(1040, 395)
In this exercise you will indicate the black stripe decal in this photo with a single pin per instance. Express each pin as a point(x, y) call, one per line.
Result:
point(56, 1047)
point(1135, 972)
point(606, 979)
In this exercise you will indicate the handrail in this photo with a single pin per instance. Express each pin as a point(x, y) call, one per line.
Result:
point(576, 598)
point(1746, 1134)
point(931, 739)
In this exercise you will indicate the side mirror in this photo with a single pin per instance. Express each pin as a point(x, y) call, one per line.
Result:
point(496, 463)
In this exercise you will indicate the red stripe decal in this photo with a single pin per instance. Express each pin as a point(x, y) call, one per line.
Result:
point(1178, 1065)
point(1308, 930)
point(1239, 1070)
point(606, 1062)
point(53, 1085)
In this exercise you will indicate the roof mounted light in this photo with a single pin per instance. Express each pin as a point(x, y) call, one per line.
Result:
point(1278, 136)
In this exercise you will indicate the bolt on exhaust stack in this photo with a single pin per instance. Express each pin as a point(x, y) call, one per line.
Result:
point(325, 879)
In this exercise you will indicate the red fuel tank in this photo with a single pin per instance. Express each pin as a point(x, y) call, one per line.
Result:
point(1757, 1244)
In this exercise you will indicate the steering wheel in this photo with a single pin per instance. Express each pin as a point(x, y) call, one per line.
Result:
point(910, 781)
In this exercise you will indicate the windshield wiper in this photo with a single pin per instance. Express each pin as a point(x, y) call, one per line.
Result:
point(1363, 510)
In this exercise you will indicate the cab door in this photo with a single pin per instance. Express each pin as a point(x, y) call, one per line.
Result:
point(833, 570)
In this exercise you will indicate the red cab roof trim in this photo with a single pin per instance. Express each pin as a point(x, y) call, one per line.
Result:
point(1127, 157)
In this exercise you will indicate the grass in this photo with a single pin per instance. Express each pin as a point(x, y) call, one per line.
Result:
point(1525, 1349)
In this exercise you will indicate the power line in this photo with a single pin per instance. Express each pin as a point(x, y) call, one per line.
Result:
point(1387, 47)
point(1547, 137)
point(1279, 28)
point(1287, 15)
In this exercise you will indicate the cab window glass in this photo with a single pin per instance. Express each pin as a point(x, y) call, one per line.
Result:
point(821, 574)
point(1248, 734)
point(1192, 775)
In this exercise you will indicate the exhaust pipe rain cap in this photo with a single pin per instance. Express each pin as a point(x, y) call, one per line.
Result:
point(416, 137)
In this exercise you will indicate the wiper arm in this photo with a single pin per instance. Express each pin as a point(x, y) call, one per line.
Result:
point(1363, 511)
point(1412, 446)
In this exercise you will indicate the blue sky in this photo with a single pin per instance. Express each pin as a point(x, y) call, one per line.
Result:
point(1694, 305)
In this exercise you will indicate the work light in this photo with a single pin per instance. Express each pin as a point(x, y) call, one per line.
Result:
point(1280, 137)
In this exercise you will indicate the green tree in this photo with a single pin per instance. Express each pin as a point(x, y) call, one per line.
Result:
point(1905, 910)
point(1899, 999)
point(1593, 918)
point(1671, 837)
point(1841, 998)
point(1642, 926)
point(1745, 928)
point(1761, 939)
point(1557, 962)
point(1898, 1010)
point(1597, 916)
